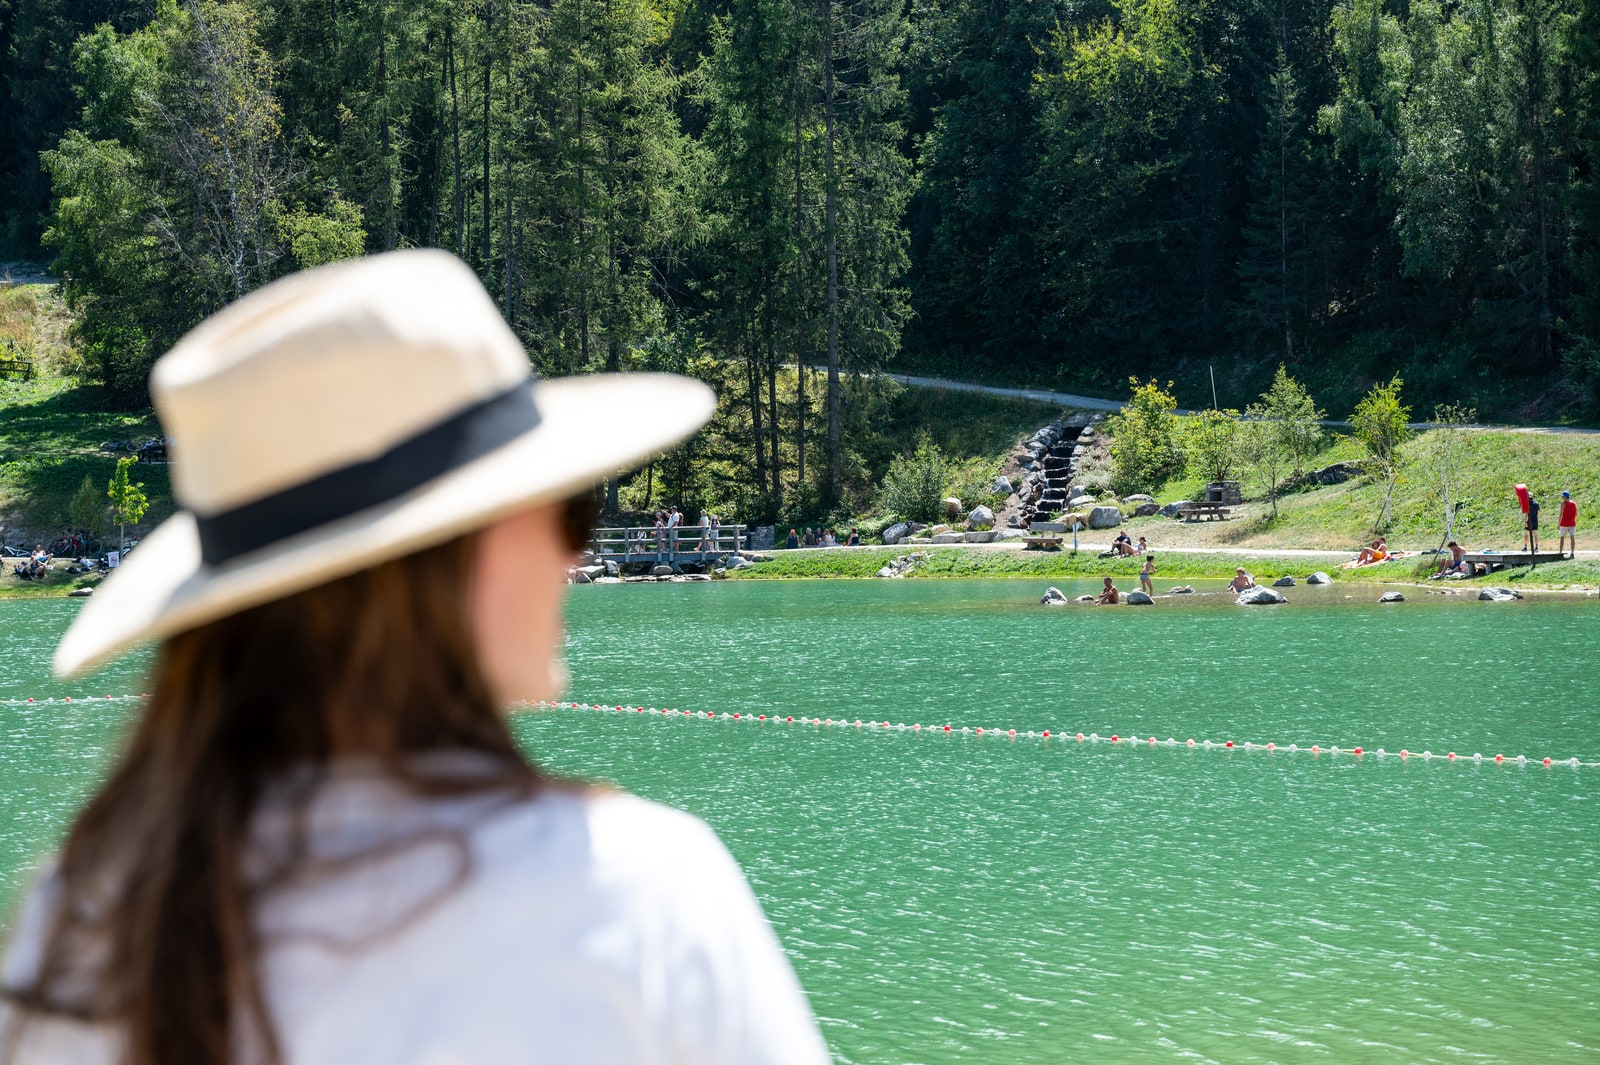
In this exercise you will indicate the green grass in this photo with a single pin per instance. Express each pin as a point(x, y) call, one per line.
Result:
point(1053, 565)
point(57, 582)
point(50, 432)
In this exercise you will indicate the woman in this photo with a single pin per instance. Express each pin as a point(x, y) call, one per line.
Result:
point(321, 844)
point(1146, 573)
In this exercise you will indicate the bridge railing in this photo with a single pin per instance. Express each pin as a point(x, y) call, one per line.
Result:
point(646, 542)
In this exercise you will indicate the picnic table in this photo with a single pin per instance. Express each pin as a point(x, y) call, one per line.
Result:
point(1207, 510)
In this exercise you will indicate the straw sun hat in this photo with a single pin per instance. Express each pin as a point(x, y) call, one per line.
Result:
point(350, 415)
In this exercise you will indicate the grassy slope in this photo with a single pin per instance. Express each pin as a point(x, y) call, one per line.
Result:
point(51, 428)
point(1343, 516)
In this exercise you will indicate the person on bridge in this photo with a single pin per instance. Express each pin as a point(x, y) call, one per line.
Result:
point(1567, 525)
point(351, 860)
point(1530, 527)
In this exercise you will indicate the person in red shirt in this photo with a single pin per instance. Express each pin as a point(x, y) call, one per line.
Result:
point(1567, 524)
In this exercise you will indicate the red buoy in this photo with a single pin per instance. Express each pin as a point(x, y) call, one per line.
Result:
point(1357, 750)
point(1499, 757)
point(1271, 747)
point(1080, 737)
point(1046, 732)
point(980, 730)
point(736, 717)
point(790, 720)
point(1404, 753)
point(1547, 761)
point(1228, 744)
point(1113, 738)
point(1190, 742)
point(1011, 732)
point(1152, 741)
point(947, 728)
point(763, 717)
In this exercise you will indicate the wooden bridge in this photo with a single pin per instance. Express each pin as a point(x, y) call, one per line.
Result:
point(647, 544)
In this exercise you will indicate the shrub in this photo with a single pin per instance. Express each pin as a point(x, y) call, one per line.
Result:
point(914, 485)
point(1213, 444)
point(1146, 448)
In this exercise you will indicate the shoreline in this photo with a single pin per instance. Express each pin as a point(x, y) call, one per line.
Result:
point(1008, 561)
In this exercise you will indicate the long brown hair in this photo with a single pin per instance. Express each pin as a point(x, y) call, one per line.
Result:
point(152, 926)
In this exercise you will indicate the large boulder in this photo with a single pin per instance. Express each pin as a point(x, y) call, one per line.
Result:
point(1001, 486)
point(1105, 518)
point(1498, 595)
point(1283, 582)
point(1319, 577)
point(980, 536)
point(981, 517)
point(952, 508)
point(1053, 597)
point(662, 570)
point(937, 529)
point(949, 538)
point(1260, 597)
point(1391, 597)
point(734, 562)
point(1144, 510)
point(1080, 501)
point(1138, 497)
point(1140, 599)
point(577, 576)
point(1010, 534)
point(1173, 510)
point(1182, 589)
point(612, 569)
point(896, 532)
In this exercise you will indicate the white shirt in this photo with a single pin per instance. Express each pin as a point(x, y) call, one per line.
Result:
point(591, 928)
point(674, 519)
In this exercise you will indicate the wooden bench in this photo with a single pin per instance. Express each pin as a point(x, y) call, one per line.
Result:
point(1196, 511)
point(1051, 539)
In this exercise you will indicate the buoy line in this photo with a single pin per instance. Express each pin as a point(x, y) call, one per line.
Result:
point(1132, 742)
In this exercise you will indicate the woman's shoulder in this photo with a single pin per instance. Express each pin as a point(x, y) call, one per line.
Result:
point(607, 838)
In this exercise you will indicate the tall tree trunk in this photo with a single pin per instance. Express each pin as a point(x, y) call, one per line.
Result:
point(455, 123)
point(488, 70)
point(438, 168)
point(772, 415)
point(831, 222)
point(753, 373)
point(385, 138)
point(799, 280)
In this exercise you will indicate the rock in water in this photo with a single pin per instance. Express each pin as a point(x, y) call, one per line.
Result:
point(1319, 577)
point(81, 593)
point(1391, 597)
point(1260, 597)
point(1283, 582)
point(1086, 599)
point(1053, 597)
point(1182, 589)
point(1105, 518)
point(1498, 595)
point(1140, 599)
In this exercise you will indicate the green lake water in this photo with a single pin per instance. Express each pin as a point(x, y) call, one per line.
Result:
point(949, 898)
